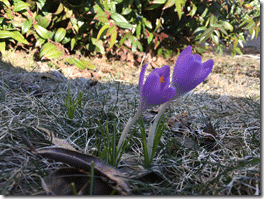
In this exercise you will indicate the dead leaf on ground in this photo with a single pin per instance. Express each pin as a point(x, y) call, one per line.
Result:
point(181, 126)
point(63, 181)
point(107, 177)
point(57, 141)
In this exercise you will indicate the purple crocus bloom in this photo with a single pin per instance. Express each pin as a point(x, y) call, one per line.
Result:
point(189, 71)
point(156, 89)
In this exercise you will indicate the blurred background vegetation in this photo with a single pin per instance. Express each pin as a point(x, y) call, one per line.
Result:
point(60, 28)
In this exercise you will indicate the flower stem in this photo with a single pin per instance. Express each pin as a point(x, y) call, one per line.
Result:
point(153, 128)
point(130, 122)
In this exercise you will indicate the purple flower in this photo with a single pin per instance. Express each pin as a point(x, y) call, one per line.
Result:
point(156, 89)
point(189, 71)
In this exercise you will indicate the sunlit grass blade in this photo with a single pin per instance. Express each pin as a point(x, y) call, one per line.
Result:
point(124, 146)
point(110, 153)
point(71, 104)
point(113, 145)
point(159, 132)
point(74, 189)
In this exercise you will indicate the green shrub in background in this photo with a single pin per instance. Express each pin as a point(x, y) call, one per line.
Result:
point(62, 27)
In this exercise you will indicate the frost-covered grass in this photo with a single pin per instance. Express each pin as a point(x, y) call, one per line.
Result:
point(91, 122)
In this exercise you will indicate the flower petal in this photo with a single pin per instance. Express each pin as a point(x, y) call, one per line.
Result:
point(197, 57)
point(181, 72)
point(152, 95)
point(181, 67)
point(187, 52)
point(151, 88)
point(152, 85)
point(155, 92)
point(185, 81)
point(167, 94)
point(163, 71)
point(189, 71)
point(205, 70)
point(141, 77)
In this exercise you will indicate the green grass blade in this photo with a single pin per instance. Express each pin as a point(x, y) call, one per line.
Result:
point(159, 132)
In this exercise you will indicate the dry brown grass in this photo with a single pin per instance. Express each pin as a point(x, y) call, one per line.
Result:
point(230, 97)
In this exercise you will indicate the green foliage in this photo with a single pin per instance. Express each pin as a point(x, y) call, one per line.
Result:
point(74, 189)
point(71, 104)
point(132, 25)
point(110, 153)
point(224, 23)
point(50, 51)
point(158, 133)
point(80, 63)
